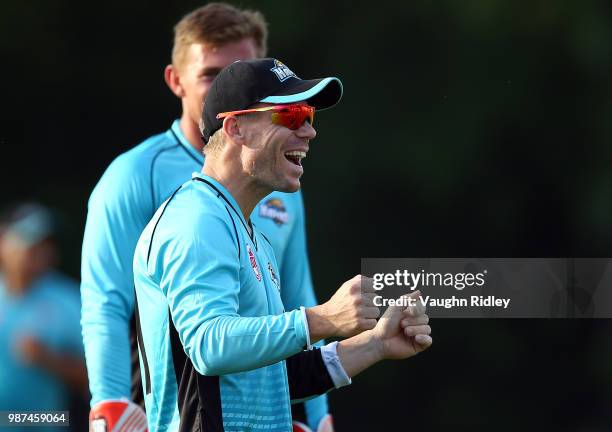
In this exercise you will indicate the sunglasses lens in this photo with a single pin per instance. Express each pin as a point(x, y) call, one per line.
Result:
point(293, 117)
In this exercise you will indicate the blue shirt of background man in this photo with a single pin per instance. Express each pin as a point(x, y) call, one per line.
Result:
point(49, 312)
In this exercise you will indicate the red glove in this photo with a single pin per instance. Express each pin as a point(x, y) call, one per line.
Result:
point(117, 415)
point(325, 425)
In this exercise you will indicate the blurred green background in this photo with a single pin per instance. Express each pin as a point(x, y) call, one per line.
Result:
point(468, 128)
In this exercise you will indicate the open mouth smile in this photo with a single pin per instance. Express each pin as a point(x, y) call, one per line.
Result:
point(295, 157)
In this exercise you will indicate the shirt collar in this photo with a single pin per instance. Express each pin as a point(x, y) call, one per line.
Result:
point(223, 191)
point(176, 128)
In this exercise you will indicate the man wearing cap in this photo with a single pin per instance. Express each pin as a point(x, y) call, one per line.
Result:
point(41, 352)
point(220, 351)
point(135, 185)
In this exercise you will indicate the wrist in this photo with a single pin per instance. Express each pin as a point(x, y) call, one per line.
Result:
point(360, 352)
point(319, 324)
point(375, 346)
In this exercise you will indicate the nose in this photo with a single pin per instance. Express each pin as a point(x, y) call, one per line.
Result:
point(306, 131)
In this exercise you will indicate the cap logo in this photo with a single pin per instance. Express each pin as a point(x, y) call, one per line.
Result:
point(282, 72)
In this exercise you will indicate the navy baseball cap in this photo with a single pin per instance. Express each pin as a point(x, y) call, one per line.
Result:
point(244, 83)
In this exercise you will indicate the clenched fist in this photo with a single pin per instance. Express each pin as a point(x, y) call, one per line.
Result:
point(348, 312)
point(403, 331)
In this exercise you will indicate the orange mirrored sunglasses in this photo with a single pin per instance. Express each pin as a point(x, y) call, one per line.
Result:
point(290, 116)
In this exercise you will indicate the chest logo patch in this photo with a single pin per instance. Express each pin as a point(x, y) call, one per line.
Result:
point(273, 277)
point(274, 209)
point(254, 263)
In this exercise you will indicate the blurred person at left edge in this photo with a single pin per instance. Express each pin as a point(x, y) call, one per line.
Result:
point(41, 352)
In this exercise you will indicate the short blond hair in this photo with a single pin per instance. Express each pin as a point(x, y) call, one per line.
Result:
point(215, 143)
point(218, 24)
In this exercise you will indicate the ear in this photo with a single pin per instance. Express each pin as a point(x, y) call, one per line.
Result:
point(173, 80)
point(232, 130)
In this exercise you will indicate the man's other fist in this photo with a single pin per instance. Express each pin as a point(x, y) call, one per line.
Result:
point(404, 331)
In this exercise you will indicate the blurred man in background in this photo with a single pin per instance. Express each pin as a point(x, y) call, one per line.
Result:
point(41, 353)
point(136, 184)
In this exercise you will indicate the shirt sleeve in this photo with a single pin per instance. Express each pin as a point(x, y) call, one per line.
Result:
point(308, 375)
point(201, 279)
point(334, 366)
point(313, 373)
point(119, 209)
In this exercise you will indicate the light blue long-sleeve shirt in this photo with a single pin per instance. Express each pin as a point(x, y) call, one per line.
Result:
point(200, 273)
point(121, 205)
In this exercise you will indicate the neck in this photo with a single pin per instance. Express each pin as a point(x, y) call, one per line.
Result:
point(244, 190)
point(191, 131)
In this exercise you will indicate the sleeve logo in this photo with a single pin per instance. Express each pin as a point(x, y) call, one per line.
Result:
point(273, 277)
point(254, 263)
